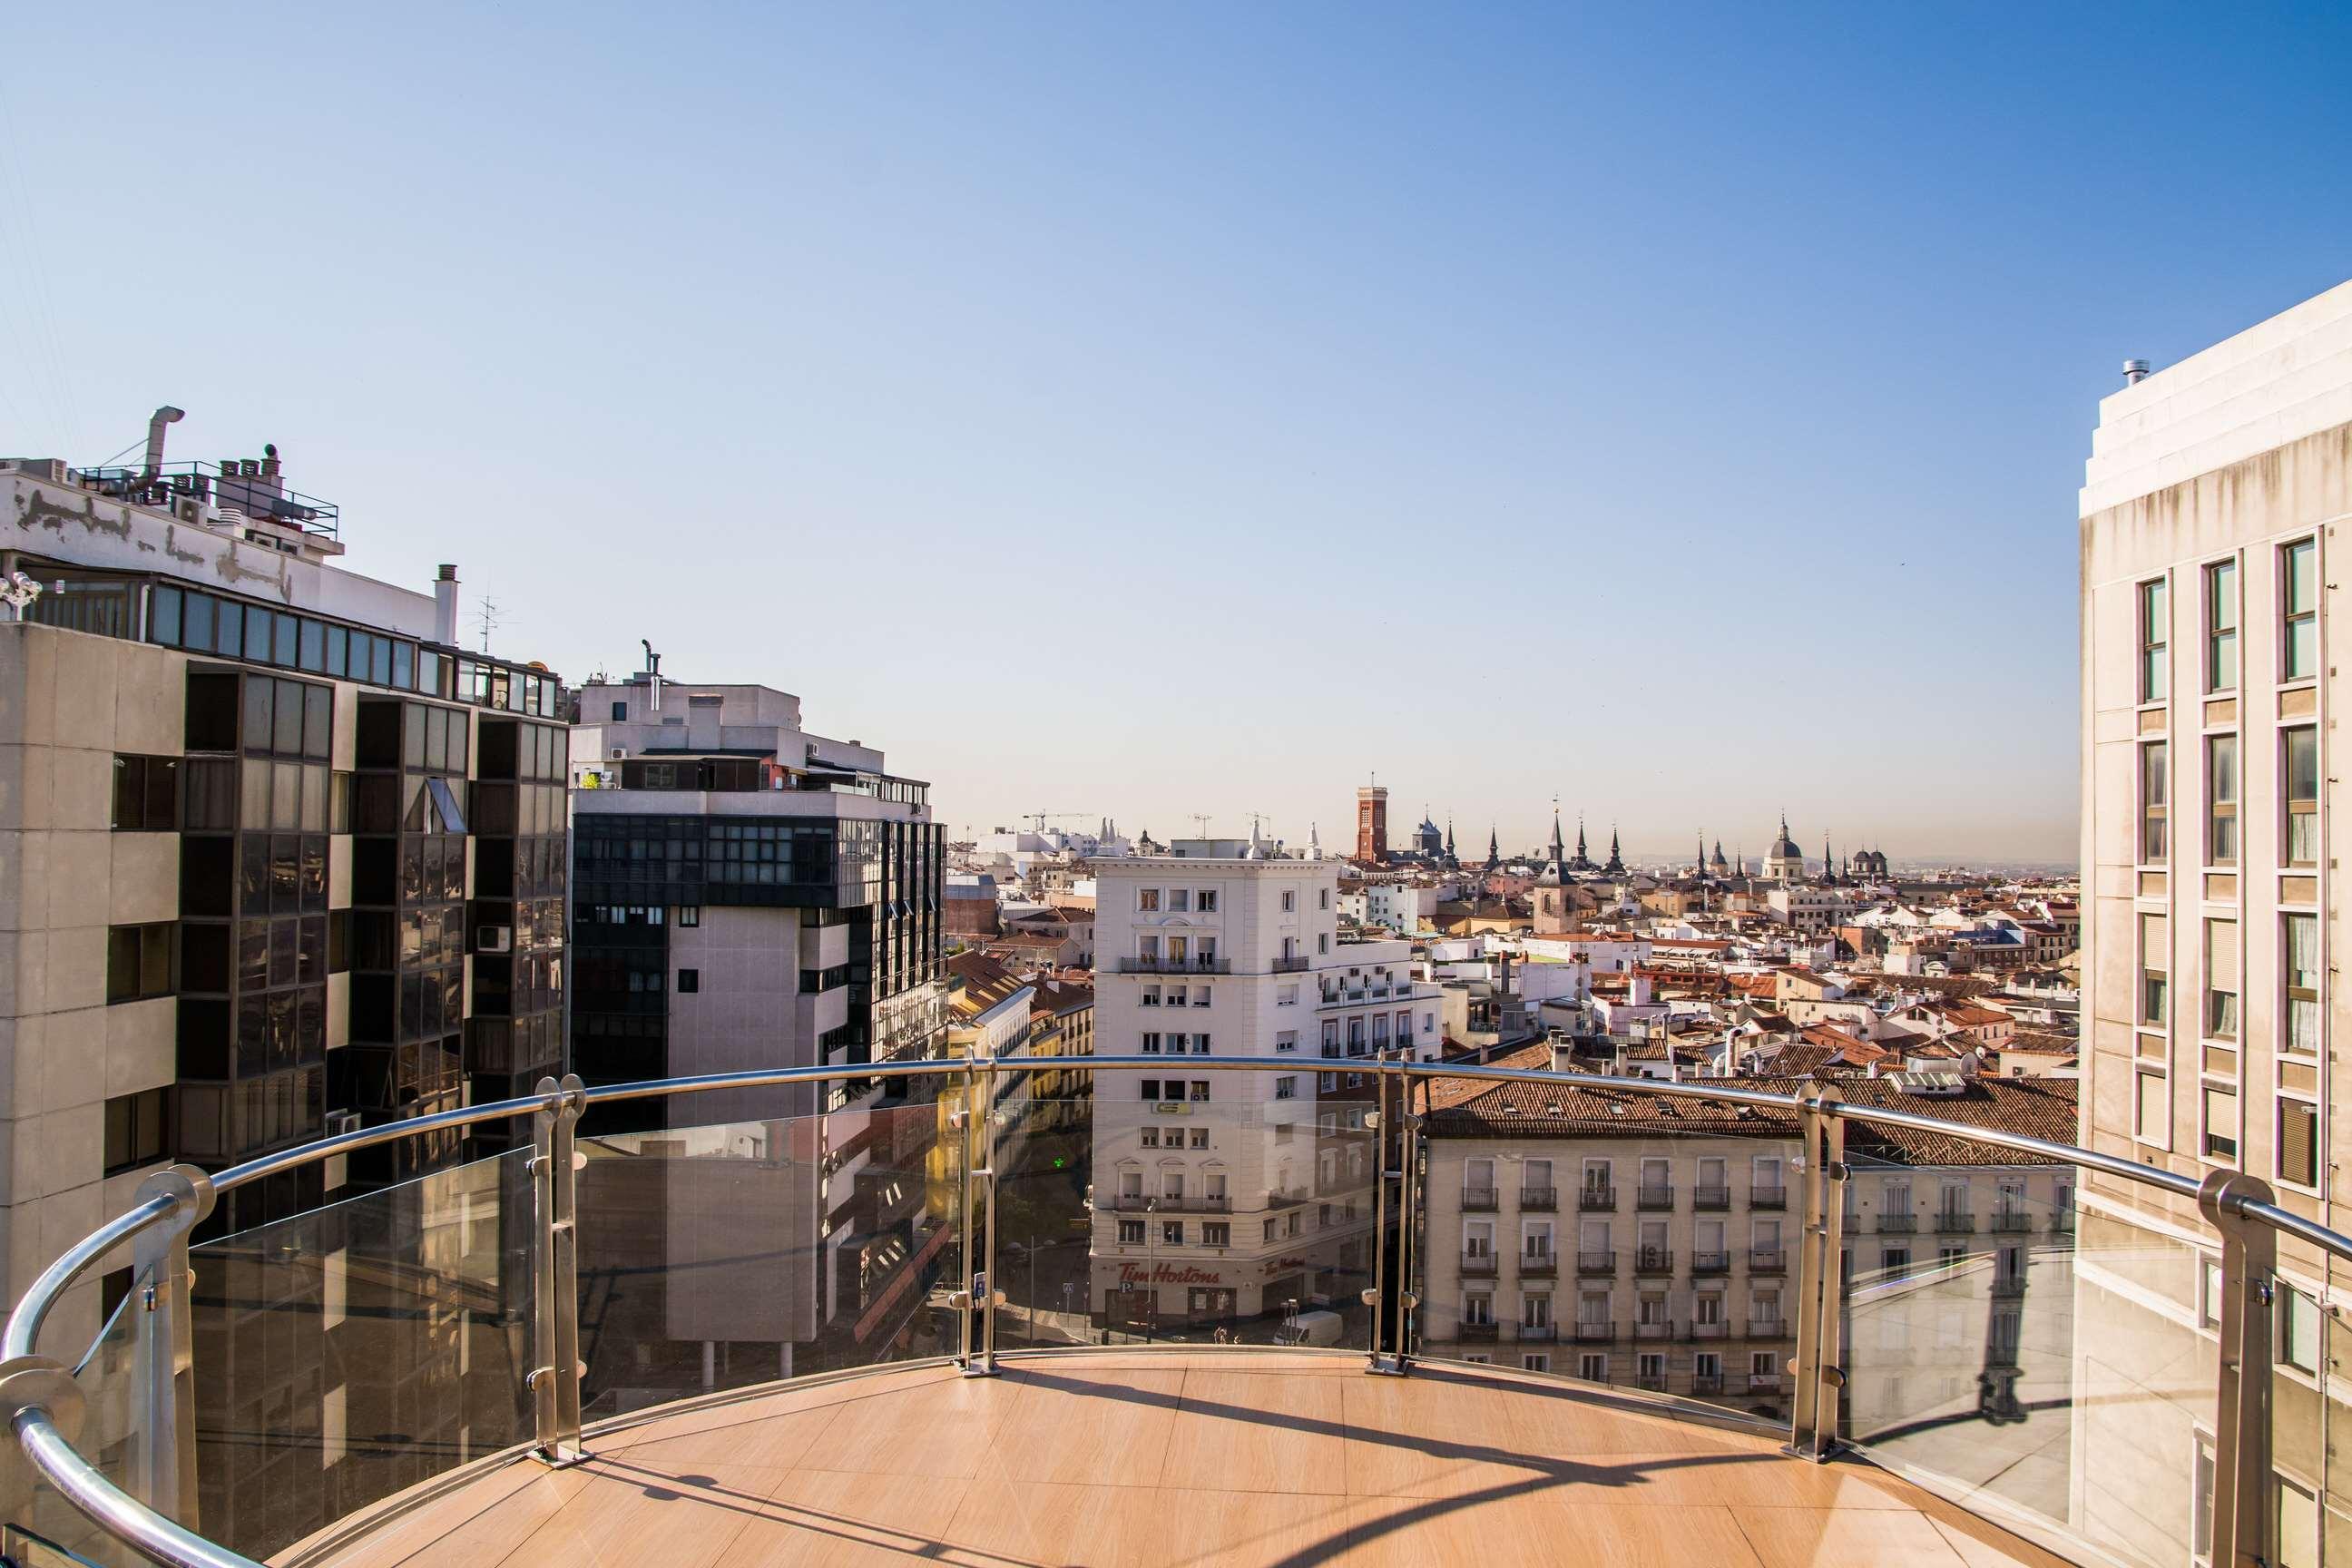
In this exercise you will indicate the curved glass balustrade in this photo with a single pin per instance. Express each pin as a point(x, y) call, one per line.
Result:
point(1994, 1318)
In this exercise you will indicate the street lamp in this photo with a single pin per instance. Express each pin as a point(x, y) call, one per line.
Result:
point(1150, 1269)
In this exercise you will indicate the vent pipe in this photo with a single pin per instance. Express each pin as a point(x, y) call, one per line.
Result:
point(167, 415)
point(444, 606)
point(2134, 372)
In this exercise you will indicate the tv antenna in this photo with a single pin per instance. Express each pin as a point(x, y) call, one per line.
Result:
point(1201, 817)
point(488, 616)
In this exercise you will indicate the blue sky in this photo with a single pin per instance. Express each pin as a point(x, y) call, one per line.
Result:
point(1141, 411)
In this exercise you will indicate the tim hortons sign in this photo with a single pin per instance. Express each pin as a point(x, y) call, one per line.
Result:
point(1132, 1274)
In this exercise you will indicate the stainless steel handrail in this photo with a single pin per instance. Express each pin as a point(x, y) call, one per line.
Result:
point(133, 1524)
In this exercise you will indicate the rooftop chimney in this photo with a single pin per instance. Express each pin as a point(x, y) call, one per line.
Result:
point(2134, 372)
point(167, 415)
point(444, 606)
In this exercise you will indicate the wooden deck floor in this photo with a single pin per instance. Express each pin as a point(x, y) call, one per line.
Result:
point(1165, 1460)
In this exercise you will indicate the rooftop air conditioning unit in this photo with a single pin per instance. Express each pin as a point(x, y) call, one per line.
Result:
point(494, 938)
point(620, 752)
point(195, 510)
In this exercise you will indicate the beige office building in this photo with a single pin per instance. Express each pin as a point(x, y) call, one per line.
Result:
point(2209, 515)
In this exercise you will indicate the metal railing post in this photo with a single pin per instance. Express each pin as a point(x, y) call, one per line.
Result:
point(1376, 1293)
point(1816, 1377)
point(163, 1458)
point(1408, 1220)
point(992, 1293)
point(555, 1189)
point(2243, 1513)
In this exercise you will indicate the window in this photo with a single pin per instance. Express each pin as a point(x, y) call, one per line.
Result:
point(146, 794)
point(2298, 1331)
point(1216, 1183)
point(1896, 1261)
point(1323, 943)
point(2155, 967)
point(1286, 1040)
point(1180, 900)
point(1286, 1088)
point(2221, 800)
point(1289, 901)
point(2299, 595)
point(1130, 1233)
point(2222, 980)
point(2152, 1111)
point(1171, 1233)
point(1323, 898)
point(689, 981)
point(689, 914)
point(1534, 1312)
point(1205, 900)
point(1151, 1087)
point(620, 712)
point(2220, 1123)
point(1151, 1042)
point(2301, 781)
point(134, 1129)
point(2221, 627)
point(1149, 1137)
point(138, 962)
point(2300, 940)
point(1200, 1089)
point(1594, 1366)
point(1147, 900)
point(1532, 1361)
point(2154, 796)
point(1216, 1233)
point(2152, 664)
point(2298, 1142)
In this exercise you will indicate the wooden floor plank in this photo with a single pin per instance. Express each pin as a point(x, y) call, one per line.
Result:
point(1184, 1461)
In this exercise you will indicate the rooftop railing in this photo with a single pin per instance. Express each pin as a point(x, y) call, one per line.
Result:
point(502, 1309)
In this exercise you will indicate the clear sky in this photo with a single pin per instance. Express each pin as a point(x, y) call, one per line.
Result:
point(1142, 410)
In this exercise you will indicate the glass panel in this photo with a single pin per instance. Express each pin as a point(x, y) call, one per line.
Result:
point(737, 1253)
point(107, 1372)
point(1986, 1364)
point(360, 1348)
point(1233, 1219)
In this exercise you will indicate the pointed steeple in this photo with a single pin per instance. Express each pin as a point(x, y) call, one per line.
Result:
point(1616, 866)
point(1494, 849)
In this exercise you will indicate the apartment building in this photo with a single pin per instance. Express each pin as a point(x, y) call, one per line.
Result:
point(746, 895)
point(2210, 507)
point(1652, 1243)
point(281, 859)
point(1223, 1196)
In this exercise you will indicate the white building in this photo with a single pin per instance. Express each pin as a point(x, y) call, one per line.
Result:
point(1220, 1196)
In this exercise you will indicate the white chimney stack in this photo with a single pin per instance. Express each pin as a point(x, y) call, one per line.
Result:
point(444, 606)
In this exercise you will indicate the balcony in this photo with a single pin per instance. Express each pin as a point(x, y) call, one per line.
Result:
point(1767, 1197)
point(1478, 1265)
point(1651, 1381)
point(1897, 1223)
point(1539, 1266)
point(1175, 966)
point(1766, 1260)
point(1538, 1200)
point(1953, 1222)
point(1139, 1202)
point(1596, 1200)
point(1295, 964)
point(1653, 1197)
point(669, 1455)
point(1653, 1260)
point(1710, 1200)
point(2011, 1221)
point(1706, 1385)
point(1710, 1263)
point(1478, 1200)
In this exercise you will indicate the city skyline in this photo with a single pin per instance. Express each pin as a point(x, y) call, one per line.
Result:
point(1637, 438)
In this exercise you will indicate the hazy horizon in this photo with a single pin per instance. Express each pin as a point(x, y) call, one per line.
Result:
point(1678, 414)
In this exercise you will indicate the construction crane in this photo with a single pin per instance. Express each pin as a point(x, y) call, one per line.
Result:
point(1041, 817)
